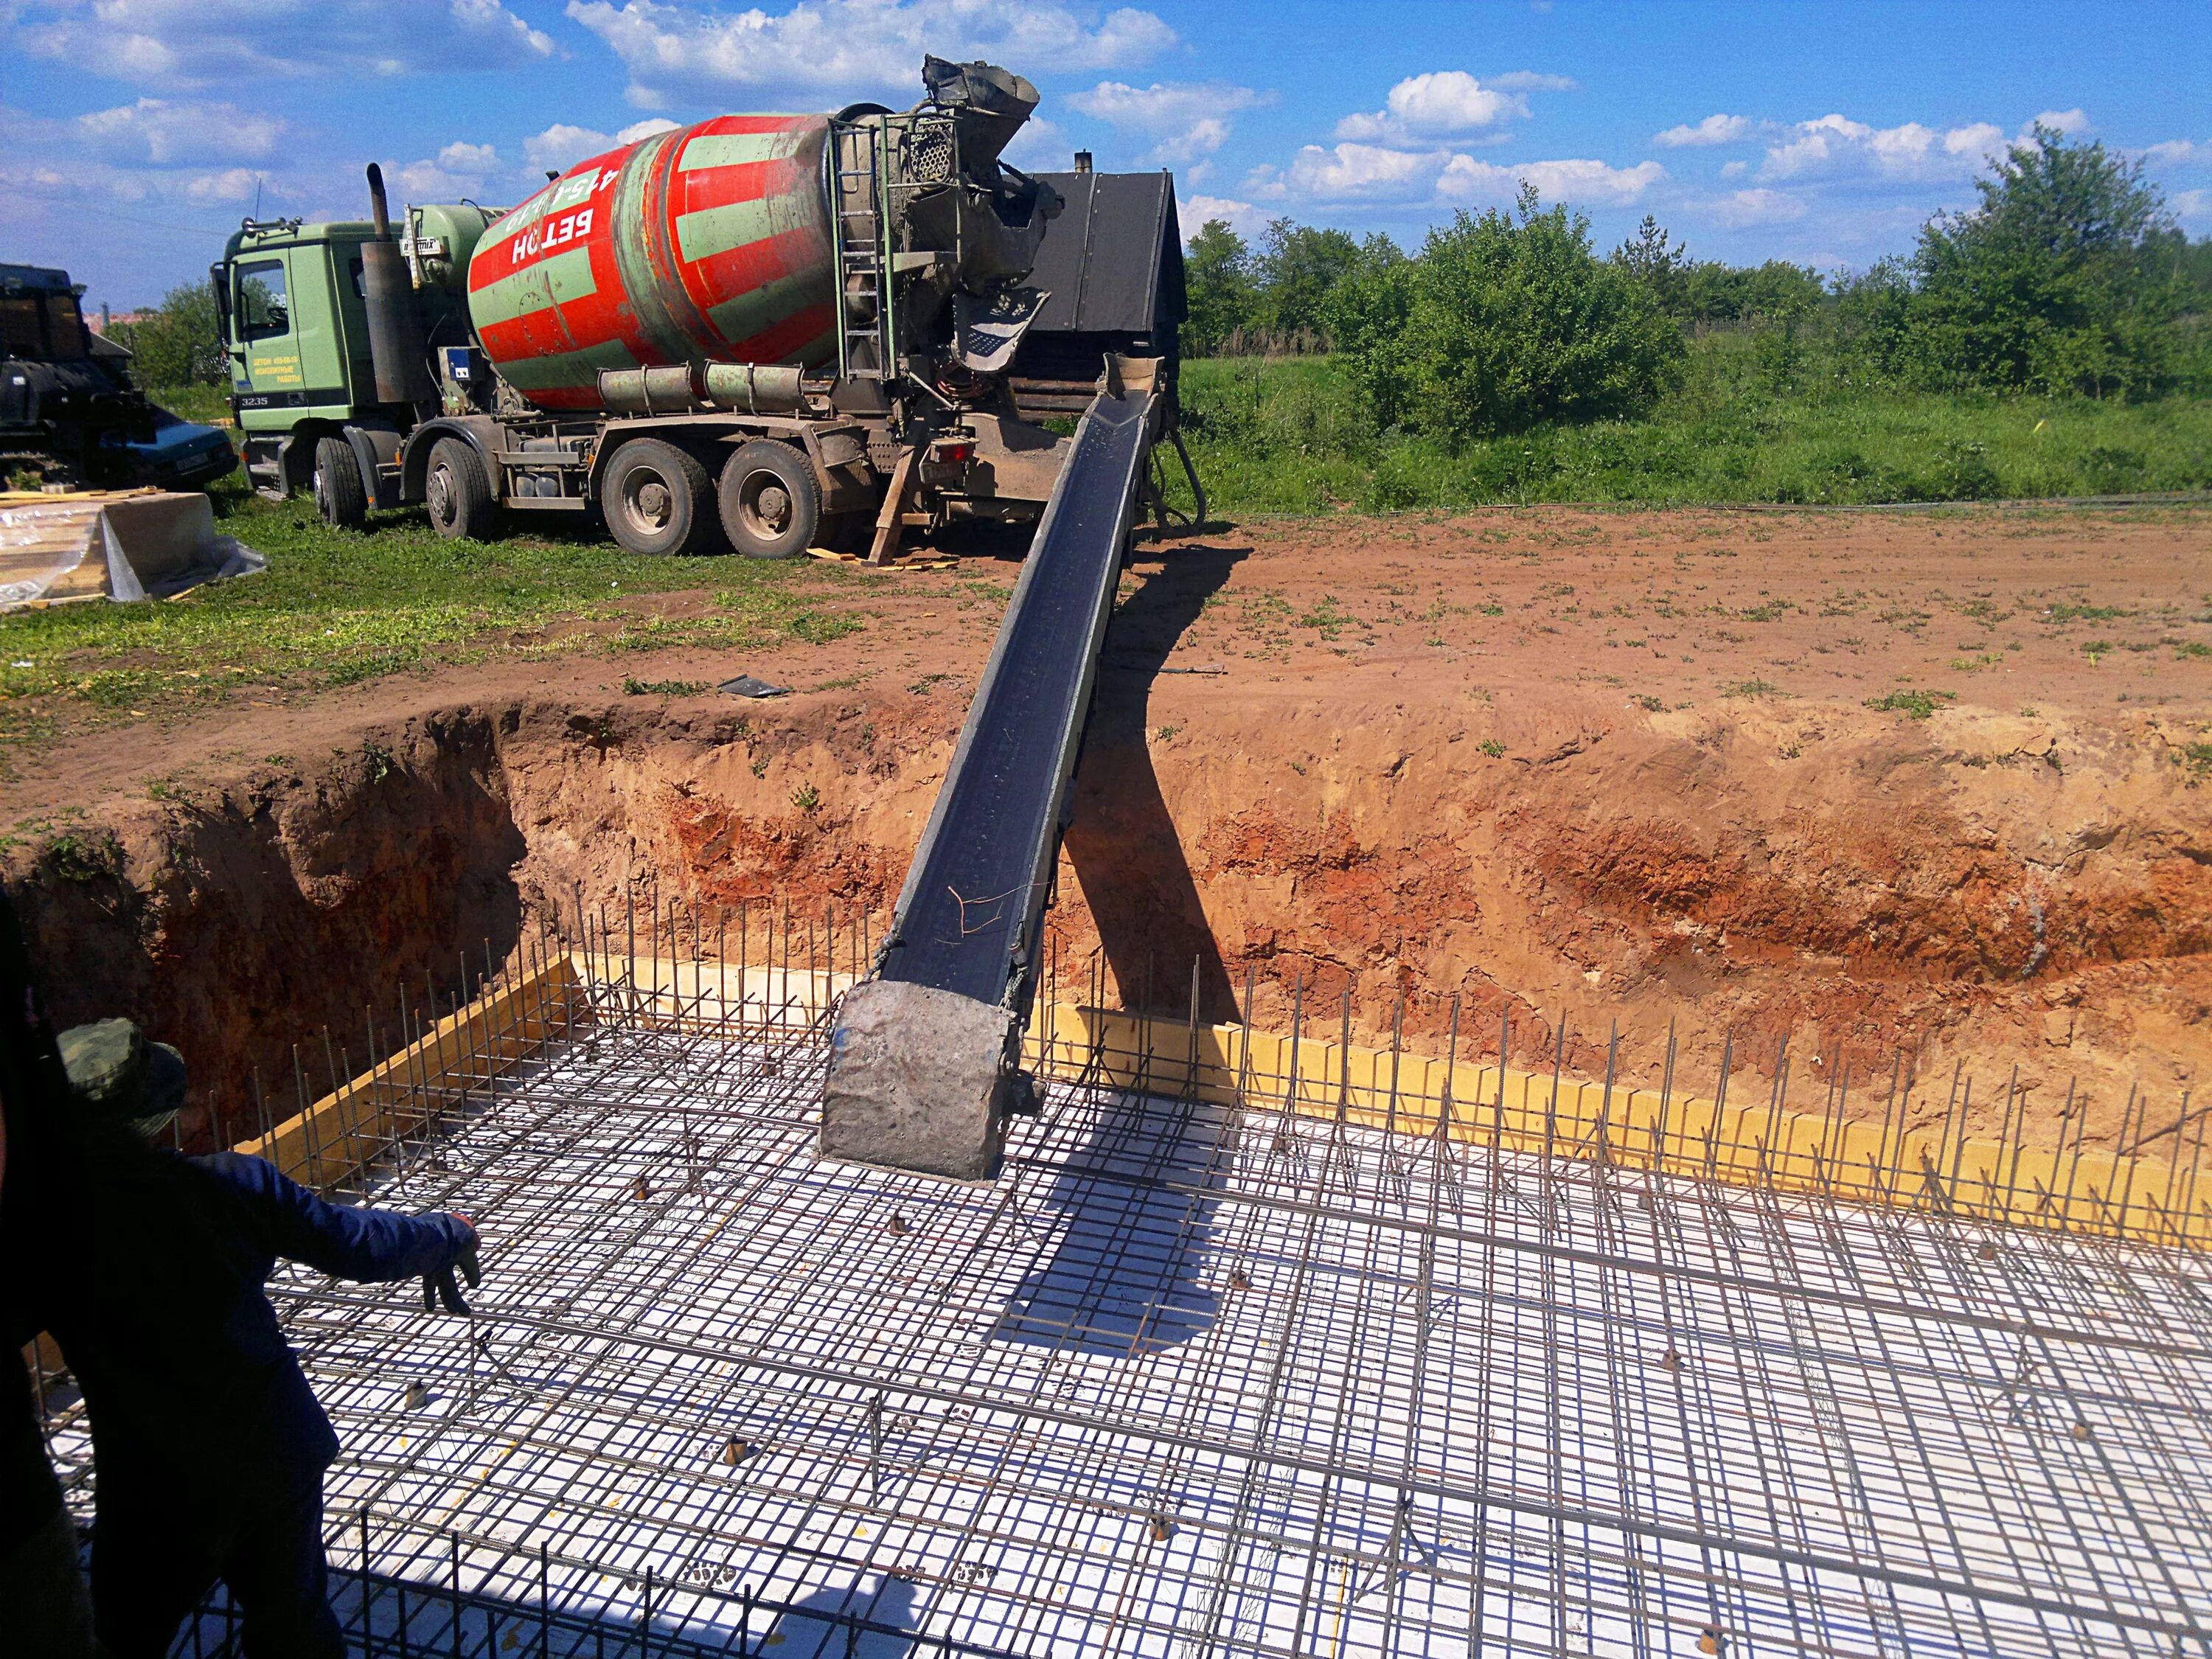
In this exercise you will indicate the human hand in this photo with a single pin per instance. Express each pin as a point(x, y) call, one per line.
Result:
point(439, 1287)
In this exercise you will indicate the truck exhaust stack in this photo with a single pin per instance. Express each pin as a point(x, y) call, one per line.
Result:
point(395, 331)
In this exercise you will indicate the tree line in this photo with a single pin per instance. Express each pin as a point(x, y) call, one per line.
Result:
point(2069, 277)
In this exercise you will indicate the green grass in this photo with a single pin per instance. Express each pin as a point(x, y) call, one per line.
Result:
point(1919, 705)
point(337, 609)
point(1286, 435)
point(193, 402)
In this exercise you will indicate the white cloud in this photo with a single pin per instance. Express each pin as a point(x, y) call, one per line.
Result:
point(1529, 80)
point(461, 169)
point(1836, 145)
point(1188, 119)
point(1243, 217)
point(231, 185)
point(2192, 207)
point(156, 131)
point(2175, 152)
point(1041, 146)
point(1361, 173)
point(1555, 181)
point(475, 160)
point(560, 146)
point(1442, 104)
point(1755, 206)
point(186, 43)
point(1349, 173)
point(1734, 169)
point(831, 49)
point(1713, 130)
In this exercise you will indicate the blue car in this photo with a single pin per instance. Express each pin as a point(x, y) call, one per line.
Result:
point(180, 455)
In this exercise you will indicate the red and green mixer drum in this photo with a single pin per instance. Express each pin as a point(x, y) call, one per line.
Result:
point(710, 243)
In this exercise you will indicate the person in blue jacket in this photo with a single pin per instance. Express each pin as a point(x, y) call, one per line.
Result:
point(43, 1606)
point(209, 1447)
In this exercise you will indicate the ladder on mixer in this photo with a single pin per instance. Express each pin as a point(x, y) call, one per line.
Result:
point(866, 345)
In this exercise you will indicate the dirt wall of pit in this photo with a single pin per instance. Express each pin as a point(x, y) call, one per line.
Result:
point(2027, 897)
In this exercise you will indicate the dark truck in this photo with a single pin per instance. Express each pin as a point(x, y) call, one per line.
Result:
point(70, 416)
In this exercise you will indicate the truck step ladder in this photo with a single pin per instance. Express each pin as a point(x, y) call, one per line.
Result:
point(865, 343)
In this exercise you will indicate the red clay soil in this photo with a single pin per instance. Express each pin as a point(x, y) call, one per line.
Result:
point(1874, 784)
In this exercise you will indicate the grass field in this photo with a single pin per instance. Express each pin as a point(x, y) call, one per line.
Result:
point(336, 608)
point(1283, 435)
point(1286, 435)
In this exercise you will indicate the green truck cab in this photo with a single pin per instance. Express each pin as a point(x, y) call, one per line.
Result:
point(295, 311)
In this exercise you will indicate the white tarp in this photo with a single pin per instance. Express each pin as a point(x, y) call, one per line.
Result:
point(122, 546)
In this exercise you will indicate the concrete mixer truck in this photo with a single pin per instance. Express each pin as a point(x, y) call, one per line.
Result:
point(758, 333)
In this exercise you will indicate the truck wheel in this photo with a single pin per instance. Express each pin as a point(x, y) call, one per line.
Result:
point(340, 497)
point(771, 506)
point(458, 494)
point(657, 499)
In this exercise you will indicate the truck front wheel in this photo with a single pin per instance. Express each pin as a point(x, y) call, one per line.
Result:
point(657, 500)
point(459, 495)
point(340, 495)
point(771, 507)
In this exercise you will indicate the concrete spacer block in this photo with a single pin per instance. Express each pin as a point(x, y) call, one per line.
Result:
point(918, 1080)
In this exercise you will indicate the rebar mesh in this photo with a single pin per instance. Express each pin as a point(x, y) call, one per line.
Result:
point(1203, 1378)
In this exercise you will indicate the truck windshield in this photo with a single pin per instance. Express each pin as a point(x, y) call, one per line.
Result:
point(261, 308)
point(42, 327)
point(20, 335)
point(65, 328)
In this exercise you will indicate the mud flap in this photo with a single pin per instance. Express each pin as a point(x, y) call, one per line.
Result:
point(920, 1080)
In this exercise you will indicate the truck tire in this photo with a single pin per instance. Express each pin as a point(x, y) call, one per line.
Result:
point(657, 500)
point(459, 495)
point(771, 506)
point(340, 495)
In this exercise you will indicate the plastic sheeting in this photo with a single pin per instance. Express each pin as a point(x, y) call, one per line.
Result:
point(121, 546)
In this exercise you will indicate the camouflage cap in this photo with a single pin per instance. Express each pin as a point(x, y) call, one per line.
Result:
point(116, 1072)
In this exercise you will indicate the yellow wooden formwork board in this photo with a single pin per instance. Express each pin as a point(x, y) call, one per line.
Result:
point(335, 1136)
point(1526, 1111)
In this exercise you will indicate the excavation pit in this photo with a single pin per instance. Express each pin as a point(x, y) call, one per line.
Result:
point(1715, 1137)
point(1260, 1345)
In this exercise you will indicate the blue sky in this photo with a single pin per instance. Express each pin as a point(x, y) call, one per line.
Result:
point(135, 133)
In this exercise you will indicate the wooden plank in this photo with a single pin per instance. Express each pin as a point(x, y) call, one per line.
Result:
point(346, 1127)
point(890, 520)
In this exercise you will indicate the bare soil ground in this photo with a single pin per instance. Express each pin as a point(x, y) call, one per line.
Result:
point(1870, 783)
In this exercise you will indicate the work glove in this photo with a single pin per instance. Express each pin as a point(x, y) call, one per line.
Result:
point(439, 1286)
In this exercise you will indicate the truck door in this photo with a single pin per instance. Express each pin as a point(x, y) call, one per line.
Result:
point(261, 304)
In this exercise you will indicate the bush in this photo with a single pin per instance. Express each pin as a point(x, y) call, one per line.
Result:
point(175, 344)
point(1505, 322)
point(1219, 289)
point(2063, 281)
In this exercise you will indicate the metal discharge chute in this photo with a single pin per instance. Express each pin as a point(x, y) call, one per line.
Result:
point(924, 1060)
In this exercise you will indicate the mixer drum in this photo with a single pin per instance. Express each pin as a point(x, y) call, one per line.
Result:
point(708, 244)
